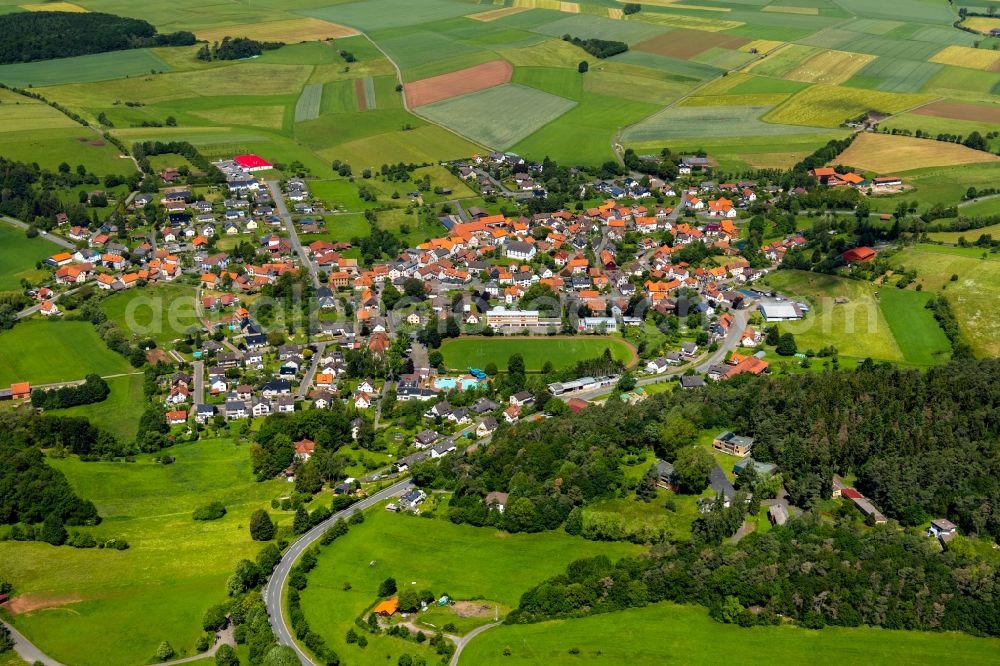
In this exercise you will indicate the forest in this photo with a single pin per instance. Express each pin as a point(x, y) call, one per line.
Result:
point(31, 490)
point(94, 389)
point(236, 48)
point(922, 444)
point(30, 36)
point(599, 48)
point(811, 571)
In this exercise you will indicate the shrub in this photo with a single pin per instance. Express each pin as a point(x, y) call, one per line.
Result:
point(210, 511)
point(164, 652)
point(261, 526)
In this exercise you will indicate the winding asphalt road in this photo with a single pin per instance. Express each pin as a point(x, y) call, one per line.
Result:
point(278, 580)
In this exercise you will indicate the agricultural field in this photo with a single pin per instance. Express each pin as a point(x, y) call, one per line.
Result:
point(884, 153)
point(990, 207)
point(944, 185)
point(461, 82)
point(463, 561)
point(830, 106)
point(465, 352)
point(919, 336)
point(710, 122)
point(53, 351)
point(972, 295)
point(474, 116)
point(656, 634)
point(18, 255)
point(129, 601)
point(82, 69)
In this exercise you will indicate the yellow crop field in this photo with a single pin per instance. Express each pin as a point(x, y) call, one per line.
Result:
point(981, 24)
point(682, 21)
point(963, 56)
point(288, 30)
point(830, 106)
point(829, 67)
point(494, 14)
point(54, 7)
point(568, 7)
point(762, 45)
point(553, 53)
point(676, 4)
point(810, 11)
point(749, 99)
point(885, 153)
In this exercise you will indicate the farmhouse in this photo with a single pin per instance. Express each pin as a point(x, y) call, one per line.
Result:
point(861, 255)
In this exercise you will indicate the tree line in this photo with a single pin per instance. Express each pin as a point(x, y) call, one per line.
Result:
point(236, 48)
point(810, 571)
point(31, 36)
point(93, 389)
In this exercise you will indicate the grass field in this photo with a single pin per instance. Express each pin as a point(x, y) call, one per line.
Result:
point(286, 30)
point(474, 116)
point(830, 67)
point(82, 69)
point(972, 296)
point(657, 634)
point(583, 135)
point(461, 353)
point(971, 234)
point(894, 75)
point(163, 313)
point(18, 255)
point(463, 561)
point(830, 106)
point(129, 601)
point(857, 328)
point(121, 412)
point(41, 352)
point(917, 333)
point(883, 153)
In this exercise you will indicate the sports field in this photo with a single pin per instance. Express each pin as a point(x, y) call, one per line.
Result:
point(129, 601)
point(42, 351)
point(657, 634)
point(463, 561)
point(477, 116)
point(884, 153)
point(18, 255)
point(972, 295)
point(464, 352)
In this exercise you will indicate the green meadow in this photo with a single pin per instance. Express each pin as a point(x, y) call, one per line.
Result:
point(53, 351)
point(461, 353)
point(121, 412)
point(461, 561)
point(82, 69)
point(163, 313)
point(668, 633)
point(129, 601)
point(18, 255)
point(972, 295)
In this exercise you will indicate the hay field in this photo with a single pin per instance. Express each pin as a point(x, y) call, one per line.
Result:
point(884, 153)
point(494, 14)
point(830, 67)
point(981, 24)
point(805, 11)
point(830, 106)
point(686, 44)
point(54, 7)
point(271, 117)
point(307, 106)
point(963, 56)
point(288, 30)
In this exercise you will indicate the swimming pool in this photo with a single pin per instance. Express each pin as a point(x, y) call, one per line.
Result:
point(449, 383)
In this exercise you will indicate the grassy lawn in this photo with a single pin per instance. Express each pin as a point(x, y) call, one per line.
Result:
point(120, 413)
point(972, 296)
point(634, 516)
point(856, 328)
point(917, 333)
point(668, 633)
point(18, 255)
point(462, 561)
point(50, 351)
point(129, 601)
point(461, 353)
point(163, 313)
